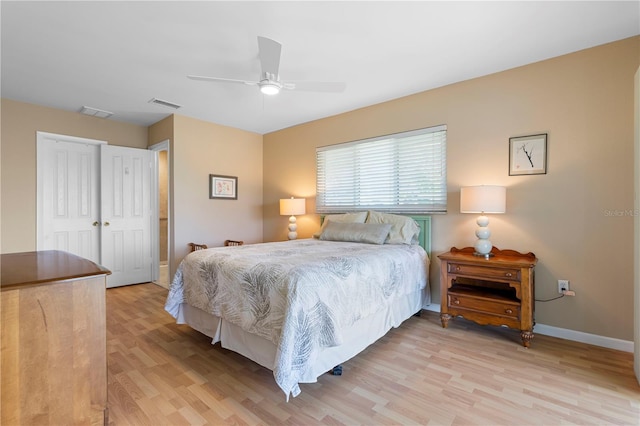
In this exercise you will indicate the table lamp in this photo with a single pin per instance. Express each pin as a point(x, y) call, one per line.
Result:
point(292, 207)
point(483, 199)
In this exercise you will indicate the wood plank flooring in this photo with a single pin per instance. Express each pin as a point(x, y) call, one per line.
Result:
point(161, 373)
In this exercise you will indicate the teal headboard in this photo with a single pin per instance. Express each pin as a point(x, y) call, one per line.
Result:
point(424, 239)
point(424, 222)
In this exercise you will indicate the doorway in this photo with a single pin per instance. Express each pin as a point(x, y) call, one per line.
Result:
point(161, 277)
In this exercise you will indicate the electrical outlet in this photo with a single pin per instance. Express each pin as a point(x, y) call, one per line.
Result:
point(563, 285)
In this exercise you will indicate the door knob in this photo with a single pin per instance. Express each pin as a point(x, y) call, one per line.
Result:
point(96, 223)
point(106, 224)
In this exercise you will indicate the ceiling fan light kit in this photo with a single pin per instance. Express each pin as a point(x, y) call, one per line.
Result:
point(270, 87)
point(270, 83)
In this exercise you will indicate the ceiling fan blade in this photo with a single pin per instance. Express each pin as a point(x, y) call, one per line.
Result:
point(226, 80)
point(315, 86)
point(269, 57)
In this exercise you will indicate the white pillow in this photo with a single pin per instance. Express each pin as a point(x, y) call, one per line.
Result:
point(404, 230)
point(370, 233)
point(357, 217)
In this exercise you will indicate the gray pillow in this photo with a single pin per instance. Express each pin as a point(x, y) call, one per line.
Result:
point(404, 230)
point(371, 233)
point(359, 217)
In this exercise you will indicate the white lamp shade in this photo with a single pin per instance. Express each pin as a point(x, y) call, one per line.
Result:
point(483, 199)
point(292, 206)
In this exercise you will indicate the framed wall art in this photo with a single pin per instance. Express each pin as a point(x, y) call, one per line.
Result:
point(528, 155)
point(223, 187)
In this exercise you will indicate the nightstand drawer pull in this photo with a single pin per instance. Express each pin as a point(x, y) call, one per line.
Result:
point(456, 302)
point(508, 311)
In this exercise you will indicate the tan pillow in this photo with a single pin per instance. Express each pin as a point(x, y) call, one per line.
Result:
point(371, 233)
point(357, 217)
point(404, 230)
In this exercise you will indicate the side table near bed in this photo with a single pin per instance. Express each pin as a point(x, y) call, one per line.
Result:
point(498, 290)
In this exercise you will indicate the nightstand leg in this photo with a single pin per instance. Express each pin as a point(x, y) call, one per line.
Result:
point(445, 319)
point(526, 337)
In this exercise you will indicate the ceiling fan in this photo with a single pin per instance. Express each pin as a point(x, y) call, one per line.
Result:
point(270, 83)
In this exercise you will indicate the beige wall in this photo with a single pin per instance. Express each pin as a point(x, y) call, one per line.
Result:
point(20, 122)
point(575, 218)
point(200, 148)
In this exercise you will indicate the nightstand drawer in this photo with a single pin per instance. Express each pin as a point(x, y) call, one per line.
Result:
point(483, 271)
point(485, 305)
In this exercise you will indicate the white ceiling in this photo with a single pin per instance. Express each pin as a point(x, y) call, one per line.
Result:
point(116, 56)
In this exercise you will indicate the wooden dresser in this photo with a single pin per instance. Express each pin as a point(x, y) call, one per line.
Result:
point(54, 357)
point(498, 290)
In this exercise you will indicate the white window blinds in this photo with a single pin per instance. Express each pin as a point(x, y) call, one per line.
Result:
point(403, 173)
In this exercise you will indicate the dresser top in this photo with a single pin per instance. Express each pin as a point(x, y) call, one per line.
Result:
point(41, 267)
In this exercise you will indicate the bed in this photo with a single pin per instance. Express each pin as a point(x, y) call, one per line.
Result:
point(302, 307)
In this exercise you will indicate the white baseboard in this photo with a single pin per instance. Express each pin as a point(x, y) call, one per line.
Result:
point(576, 336)
point(579, 336)
point(432, 307)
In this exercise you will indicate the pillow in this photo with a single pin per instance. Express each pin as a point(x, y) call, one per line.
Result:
point(404, 230)
point(371, 233)
point(358, 217)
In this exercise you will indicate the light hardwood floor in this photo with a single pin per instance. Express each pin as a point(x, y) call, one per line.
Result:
point(161, 373)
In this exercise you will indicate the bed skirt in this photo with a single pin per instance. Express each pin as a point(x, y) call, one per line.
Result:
point(357, 337)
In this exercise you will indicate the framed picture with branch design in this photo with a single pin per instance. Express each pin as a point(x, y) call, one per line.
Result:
point(528, 155)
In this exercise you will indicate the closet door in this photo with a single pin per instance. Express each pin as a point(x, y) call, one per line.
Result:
point(97, 201)
point(128, 213)
point(68, 181)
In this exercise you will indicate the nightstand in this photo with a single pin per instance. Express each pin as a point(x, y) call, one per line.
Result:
point(498, 290)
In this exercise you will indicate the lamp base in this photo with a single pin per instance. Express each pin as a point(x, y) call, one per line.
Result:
point(483, 246)
point(485, 255)
point(292, 235)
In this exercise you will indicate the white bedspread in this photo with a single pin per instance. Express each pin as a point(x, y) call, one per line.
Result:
point(297, 294)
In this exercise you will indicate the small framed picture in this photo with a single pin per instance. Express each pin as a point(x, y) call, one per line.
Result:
point(528, 155)
point(223, 187)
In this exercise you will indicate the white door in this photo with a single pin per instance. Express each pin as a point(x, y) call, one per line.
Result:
point(69, 195)
point(127, 213)
point(94, 201)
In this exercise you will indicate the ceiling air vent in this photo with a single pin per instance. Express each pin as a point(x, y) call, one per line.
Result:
point(165, 103)
point(95, 112)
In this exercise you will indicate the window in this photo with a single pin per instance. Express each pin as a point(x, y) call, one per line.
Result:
point(402, 173)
